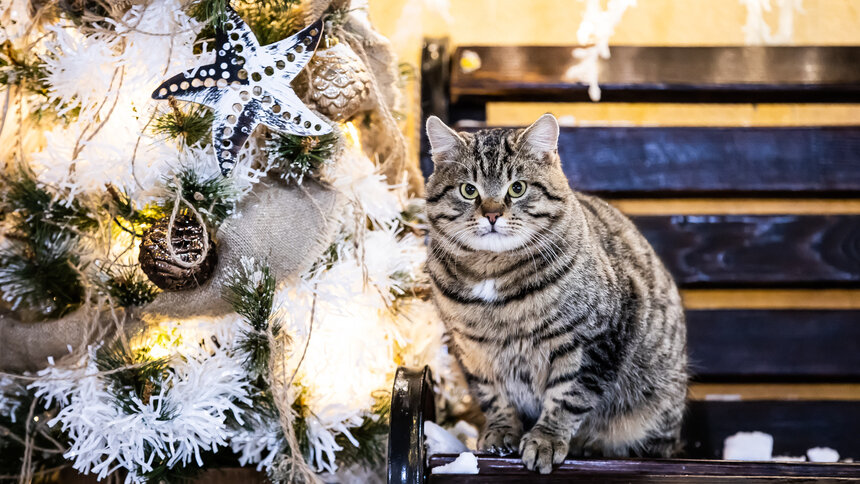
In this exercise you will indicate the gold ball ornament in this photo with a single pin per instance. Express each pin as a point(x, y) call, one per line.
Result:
point(189, 245)
point(339, 82)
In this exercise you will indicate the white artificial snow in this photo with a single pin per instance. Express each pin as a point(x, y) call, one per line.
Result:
point(822, 454)
point(466, 433)
point(756, 446)
point(465, 463)
point(788, 458)
point(440, 441)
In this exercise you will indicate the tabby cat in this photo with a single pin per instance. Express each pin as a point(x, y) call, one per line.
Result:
point(569, 329)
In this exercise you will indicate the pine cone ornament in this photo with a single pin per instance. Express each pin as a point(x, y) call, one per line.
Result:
point(339, 82)
point(188, 245)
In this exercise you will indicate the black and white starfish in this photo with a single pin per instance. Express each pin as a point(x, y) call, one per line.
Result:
point(249, 84)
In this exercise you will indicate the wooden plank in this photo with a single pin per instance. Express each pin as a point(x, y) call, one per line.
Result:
point(771, 298)
point(510, 469)
point(224, 475)
point(694, 161)
point(627, 162)
point(795, 426)
point(662, 74)
point(774, 391)
point(774, 345)
point(674, 114)
point(726, 250)
point(737, 206)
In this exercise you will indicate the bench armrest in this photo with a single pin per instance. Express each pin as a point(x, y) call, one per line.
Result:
point(412, 403)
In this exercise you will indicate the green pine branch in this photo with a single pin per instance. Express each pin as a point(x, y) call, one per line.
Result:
point(213, 196)
point(38, 207)
point(15, 403)
point(190, 125)
point(128, 217)
point(39, 266)
point(251, 292)
point(372, 436)
point(41, 273)
point(295, 157)
point(270, 20)
point(139, 378)
point(212, 12)
point(19, 70)
point(128, 287)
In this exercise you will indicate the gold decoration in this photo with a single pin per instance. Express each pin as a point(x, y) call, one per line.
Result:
point(339, 83)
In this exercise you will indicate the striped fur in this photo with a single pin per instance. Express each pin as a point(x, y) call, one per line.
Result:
point(568, 327)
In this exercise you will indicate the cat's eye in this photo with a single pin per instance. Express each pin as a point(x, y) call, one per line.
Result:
point(468, 191)
point(517, 189)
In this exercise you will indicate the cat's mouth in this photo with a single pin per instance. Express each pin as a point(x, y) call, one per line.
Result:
point(495, 239)
point(493, 230)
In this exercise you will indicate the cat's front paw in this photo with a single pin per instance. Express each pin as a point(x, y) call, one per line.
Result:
point(540, 450)
point(501, 441)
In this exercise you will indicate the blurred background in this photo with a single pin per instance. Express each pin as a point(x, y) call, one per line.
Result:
point(648, 23)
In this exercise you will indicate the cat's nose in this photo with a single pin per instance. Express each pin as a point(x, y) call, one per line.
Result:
point(492, 216)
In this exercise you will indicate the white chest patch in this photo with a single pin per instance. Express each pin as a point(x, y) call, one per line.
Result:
point(485, 290)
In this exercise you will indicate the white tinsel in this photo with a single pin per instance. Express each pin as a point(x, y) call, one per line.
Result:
point(110, 76)
point(356, 176)
point(595, 30)
point(10, 397)
point(199, 392)
point(756, 29)
point(15, 19)
point(259, 445)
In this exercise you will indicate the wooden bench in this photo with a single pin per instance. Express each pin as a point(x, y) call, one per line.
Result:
point(772, 296)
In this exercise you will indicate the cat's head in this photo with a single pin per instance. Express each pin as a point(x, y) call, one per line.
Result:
point(497, 189)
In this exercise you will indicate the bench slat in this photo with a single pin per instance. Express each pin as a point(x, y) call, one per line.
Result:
point(675, 161)
point(795, 426)
point(756, 250)
point(662, 74)
point(774, 345)
point(648, 162)
point(510, 469)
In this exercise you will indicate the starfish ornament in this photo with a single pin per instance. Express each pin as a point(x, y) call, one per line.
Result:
point(249, 84)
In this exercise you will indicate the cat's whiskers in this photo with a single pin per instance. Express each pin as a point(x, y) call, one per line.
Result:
point(549, 244)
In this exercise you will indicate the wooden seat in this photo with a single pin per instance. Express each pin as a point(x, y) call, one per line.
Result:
point(707, 423)
point(790, 368)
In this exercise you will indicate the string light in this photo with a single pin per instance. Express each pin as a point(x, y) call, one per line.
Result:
point(351, 135)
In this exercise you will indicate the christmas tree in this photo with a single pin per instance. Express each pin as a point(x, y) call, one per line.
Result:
point(212, 241)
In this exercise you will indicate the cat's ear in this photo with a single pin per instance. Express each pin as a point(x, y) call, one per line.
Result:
point(542, 136)
point(444, 141)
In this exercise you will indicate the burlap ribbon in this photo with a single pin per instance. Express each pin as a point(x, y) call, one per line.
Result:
point(286, 226)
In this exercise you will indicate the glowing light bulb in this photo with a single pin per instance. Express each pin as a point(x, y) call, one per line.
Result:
point(158, 351)
point(350, 133)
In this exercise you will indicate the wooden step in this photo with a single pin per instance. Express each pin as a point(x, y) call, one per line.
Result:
point(494, 469)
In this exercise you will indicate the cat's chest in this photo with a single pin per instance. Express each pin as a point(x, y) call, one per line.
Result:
point(502, 354)
point(485, 290)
